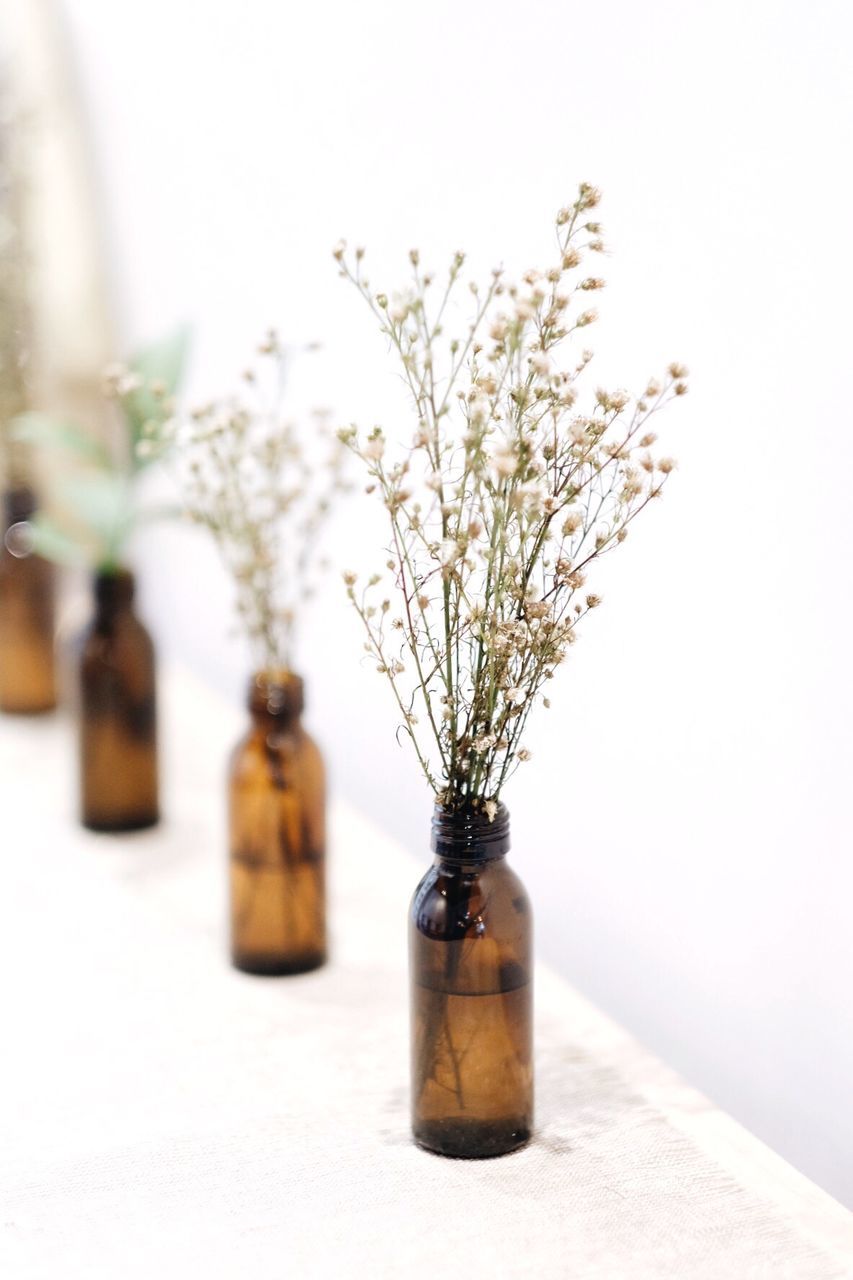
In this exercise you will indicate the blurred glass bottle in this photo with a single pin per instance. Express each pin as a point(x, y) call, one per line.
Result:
point(277, 835)
point(118, 720)
point(27, 613)
point(470, 956)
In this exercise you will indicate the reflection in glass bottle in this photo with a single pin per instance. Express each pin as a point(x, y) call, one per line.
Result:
point(27, 596)
point(277, 835)
point(118, 717)
point(470, 939)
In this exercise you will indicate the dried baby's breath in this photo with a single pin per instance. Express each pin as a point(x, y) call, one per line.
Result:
point(263, 487)
point(509, 493)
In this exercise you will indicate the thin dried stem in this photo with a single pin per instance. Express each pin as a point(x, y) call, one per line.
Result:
point(506, 496)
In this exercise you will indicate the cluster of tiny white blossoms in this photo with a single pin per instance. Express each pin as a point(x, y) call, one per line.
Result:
point(263, 488)
point(509, 492)
point(145, 432)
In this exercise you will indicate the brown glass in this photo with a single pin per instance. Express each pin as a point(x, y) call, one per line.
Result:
point(277, 835)
point(470, 960)
point(118, 719)
point(27, 592)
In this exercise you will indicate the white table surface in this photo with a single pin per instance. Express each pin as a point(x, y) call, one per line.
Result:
point(162, 1115)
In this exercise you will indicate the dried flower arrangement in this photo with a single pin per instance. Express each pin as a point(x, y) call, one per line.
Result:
point(510, 491)
point(263, 488)
point(91, 484)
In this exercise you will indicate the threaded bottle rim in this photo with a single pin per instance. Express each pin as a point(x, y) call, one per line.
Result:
point(278, 694)
point(114, 588)
point(468, 835)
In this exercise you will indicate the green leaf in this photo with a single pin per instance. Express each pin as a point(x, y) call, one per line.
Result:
point(162, 511)
point(101, 503)
point(163, 363)
point(53, 543)
point(48, 432)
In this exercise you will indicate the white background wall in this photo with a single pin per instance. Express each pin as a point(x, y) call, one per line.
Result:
point(685, 828)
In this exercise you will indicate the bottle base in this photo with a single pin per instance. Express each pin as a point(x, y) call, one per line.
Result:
point(471, 1139)
point(275, 967)
point(138, 822)
point(40, 709)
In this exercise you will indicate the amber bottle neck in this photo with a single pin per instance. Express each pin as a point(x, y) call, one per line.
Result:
point(19, 504)
point(114, 592)
point(276, 699)
point(468, 836)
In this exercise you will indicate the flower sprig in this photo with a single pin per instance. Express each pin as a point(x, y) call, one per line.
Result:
point(263, 488)
point(511, 489)
point(91, 482)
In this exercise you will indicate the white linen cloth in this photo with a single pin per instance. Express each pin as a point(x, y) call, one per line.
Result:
point(163, 1115)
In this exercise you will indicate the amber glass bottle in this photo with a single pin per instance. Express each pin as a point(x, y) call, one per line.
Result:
point(27, 589)
point(470, 957)
point(118, 720)
point(277, 835)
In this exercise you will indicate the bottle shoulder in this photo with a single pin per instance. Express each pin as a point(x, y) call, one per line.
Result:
point(449, 901)
point(125, 635)
point(285, 757)
point(25, 571)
